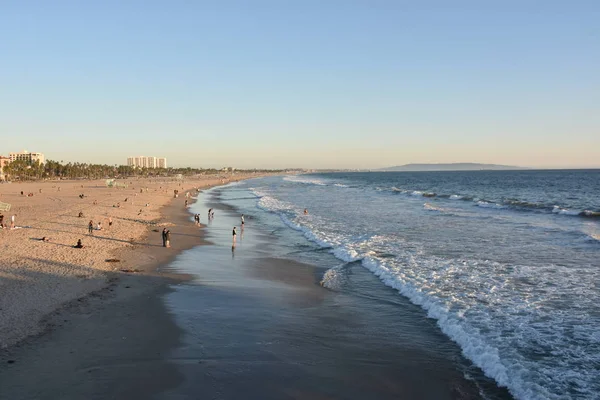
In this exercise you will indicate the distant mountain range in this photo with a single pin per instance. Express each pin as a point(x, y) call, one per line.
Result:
point(450, 167)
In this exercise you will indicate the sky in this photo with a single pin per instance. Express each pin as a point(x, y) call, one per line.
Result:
point(310, 84)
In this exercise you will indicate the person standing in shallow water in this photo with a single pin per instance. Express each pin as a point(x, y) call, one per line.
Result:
point(164, 237)
point(234, 234)
point(168, 238)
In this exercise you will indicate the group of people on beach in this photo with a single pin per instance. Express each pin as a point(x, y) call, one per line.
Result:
point(12, 222)
point(98, 225)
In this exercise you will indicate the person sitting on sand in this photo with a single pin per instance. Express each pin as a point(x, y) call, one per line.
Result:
point(80, 214)
point(1, 220)
point(99, 226)
point(79, 245)
point(109, 221)
point(45, 239)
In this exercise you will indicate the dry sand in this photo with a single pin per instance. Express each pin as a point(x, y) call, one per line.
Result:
point(37, 277)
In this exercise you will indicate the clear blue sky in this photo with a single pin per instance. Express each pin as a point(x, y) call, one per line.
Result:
point(349, 84)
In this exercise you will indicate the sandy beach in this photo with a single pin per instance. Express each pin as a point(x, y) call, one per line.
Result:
point(38, 278)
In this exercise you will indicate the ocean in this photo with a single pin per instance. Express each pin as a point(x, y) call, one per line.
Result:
point(506, 264)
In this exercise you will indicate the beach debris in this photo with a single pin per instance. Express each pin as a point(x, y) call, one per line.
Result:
point(112, 260)
point(131, 270)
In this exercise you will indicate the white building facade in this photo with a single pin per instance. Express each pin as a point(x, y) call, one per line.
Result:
point(27, 156)
point(147, 162)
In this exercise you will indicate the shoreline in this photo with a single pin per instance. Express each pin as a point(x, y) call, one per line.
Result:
point(256, 321)
point(61, 285)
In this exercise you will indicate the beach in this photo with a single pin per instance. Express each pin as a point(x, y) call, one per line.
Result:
point(39, 277)
point(226, 322)
point(333, 303)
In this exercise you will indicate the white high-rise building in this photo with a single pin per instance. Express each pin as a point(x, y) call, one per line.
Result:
point(146, 162)
point(151, 162)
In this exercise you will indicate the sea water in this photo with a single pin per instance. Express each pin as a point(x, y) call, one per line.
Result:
point(506, 262)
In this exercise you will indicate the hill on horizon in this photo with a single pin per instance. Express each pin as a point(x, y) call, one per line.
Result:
point(450, 167)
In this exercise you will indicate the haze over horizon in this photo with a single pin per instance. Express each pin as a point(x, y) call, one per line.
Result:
point(335, 84)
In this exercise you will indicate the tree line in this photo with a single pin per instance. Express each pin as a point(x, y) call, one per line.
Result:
point(24, 170)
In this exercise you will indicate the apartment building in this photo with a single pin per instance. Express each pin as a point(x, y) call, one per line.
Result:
point(146, 162)
point(27, 156)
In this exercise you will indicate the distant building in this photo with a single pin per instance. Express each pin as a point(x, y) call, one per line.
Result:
point(146, 162)
point(4, 161)
point(27, 156)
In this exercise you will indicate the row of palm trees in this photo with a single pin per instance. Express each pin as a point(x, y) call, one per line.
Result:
point(23, 170)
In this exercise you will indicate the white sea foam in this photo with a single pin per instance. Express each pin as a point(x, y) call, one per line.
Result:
point(304, 179)
point(340, 185)
point(431, 207)
point(564, 211)
point(486, 204)
point(456, 197)
point(334, 278)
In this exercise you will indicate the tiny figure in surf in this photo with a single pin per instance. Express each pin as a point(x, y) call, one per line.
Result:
point(305, 211)
point(234, 234)
point(242, 221)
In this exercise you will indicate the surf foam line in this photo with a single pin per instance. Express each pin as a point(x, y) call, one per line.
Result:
point(506, 204)
point(307, 181)
point(485, 357)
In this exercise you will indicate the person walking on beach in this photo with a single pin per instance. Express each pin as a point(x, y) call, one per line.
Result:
point(12, 222)
point(186, 204)
point(234, 234)
point(109, 221)
point(91, 227)
point(1, 220)
point(164, 237)
point(168, 238)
